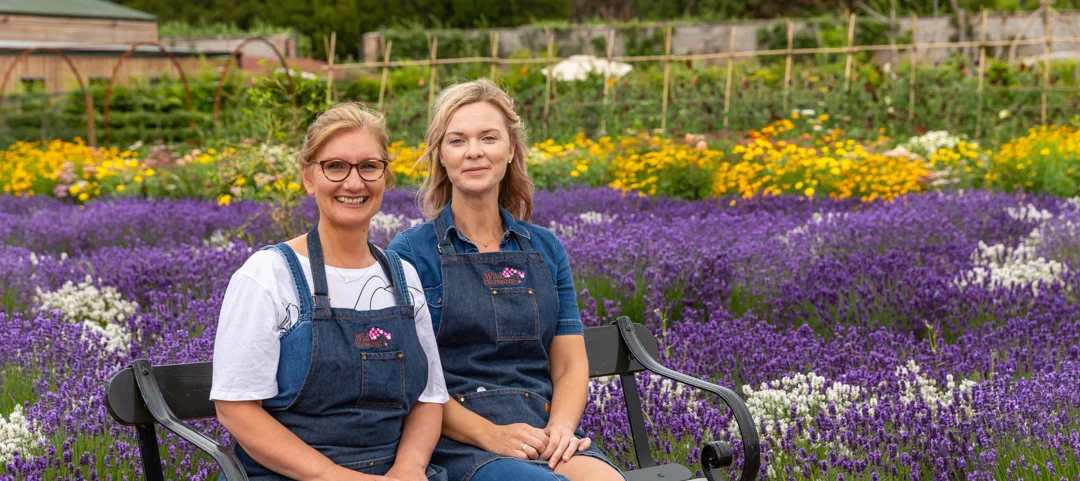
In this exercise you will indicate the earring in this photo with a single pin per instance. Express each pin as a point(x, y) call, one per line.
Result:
point(510, 161)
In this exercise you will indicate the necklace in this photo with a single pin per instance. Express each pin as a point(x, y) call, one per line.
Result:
point(492, 239)
point(343, 278)
point(347, 281)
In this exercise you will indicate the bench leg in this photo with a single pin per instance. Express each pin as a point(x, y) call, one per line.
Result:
point(148, 449)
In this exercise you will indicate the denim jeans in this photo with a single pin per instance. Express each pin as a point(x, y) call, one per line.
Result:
point(517, 470)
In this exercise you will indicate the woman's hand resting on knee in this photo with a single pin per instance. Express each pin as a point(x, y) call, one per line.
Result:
point(518, 440)
point(562, 444)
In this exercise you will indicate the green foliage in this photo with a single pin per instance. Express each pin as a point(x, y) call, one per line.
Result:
point(946, 99)
point(175, 28)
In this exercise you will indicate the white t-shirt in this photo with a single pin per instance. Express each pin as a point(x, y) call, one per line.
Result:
point(261, 304)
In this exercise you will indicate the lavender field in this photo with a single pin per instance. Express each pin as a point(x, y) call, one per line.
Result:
point(933, 337)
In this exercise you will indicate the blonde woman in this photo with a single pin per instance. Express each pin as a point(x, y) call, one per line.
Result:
point(502, 302)
point(325, 363)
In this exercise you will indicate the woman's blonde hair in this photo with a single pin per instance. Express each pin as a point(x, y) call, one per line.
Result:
point(516, 188)
point(343, 117)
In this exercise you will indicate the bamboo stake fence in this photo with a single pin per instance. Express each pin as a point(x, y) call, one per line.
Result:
point(790, 52)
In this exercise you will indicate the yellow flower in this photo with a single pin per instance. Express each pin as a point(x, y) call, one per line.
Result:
point(138, 178)
point(293, 187)
point(240, 181)
point(574, 173)
point(149, 172)
point(83, 196)
point(1045, 151)
point(224, 199)
point(120, 188)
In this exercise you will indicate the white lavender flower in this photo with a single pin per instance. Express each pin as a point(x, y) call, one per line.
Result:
point(17, 435)
point(1000, 265)
point(1029, 213)
point(778, 404)
point(102, 311)
point(388, 223)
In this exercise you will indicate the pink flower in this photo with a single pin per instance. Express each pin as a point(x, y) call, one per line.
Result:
point(388, 336)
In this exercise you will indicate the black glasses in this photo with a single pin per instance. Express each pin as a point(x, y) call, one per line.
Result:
point(369, 170)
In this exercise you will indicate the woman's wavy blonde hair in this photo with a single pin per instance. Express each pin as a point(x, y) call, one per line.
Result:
point(340, 118)
point(516, 188)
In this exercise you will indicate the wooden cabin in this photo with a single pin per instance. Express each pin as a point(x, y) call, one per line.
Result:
point(93, 35)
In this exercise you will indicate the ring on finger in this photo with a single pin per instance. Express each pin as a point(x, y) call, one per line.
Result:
point(524, 447)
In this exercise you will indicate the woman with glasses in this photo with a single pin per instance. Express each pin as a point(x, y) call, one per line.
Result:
point(325, 363)
point(502, 301)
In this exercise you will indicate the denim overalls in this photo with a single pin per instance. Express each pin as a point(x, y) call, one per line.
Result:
point(499, 315)
point(346, 378)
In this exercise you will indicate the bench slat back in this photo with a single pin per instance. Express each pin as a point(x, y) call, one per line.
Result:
point(186, 387)
point(609, 356)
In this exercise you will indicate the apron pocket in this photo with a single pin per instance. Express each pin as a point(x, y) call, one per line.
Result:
point(517, 317)
point(383, 380)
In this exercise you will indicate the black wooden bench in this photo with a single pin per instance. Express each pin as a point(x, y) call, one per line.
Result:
point(144, 395)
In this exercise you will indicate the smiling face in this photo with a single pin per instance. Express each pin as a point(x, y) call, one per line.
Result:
point(476, 149)
point(352, 202)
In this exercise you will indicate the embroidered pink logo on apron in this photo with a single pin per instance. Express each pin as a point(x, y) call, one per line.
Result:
point(508, 276)
point(375, 337)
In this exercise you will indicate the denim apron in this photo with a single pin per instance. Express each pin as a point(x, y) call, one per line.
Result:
point(499, 315)
point(346, 378)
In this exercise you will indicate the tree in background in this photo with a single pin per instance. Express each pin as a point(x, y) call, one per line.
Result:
point(351, 18)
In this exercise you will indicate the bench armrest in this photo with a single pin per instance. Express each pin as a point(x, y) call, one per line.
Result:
point(747, 427)
point(155, 403)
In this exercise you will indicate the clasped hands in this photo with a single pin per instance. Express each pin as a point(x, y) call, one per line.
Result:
point(555, 443)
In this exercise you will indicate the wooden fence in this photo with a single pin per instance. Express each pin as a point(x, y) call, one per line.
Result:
point(731, 55)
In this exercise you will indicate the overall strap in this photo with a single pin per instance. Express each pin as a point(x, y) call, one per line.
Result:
point(391, 263)
point(303, 295)
point(318, 269)
point(524, 242)
point(445, 246)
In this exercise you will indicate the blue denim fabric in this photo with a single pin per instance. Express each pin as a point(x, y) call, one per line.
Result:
point(516, 469)
point(342, 389)
point(501, 312)
point(419, 246)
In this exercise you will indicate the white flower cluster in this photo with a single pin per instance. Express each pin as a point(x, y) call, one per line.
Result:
point(36, 259)
point(586, 218)
point(593, 217)
point(219, 240)
point(780, 403)
point(915, 386)
point(1074, 202)
point(1029, 213)
point(114, 337)
point(999, 265)
point(16, 435)
point(815, 220)
point(388, 223)
point(100, 310)
point(931, 142)
point(392, 223)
